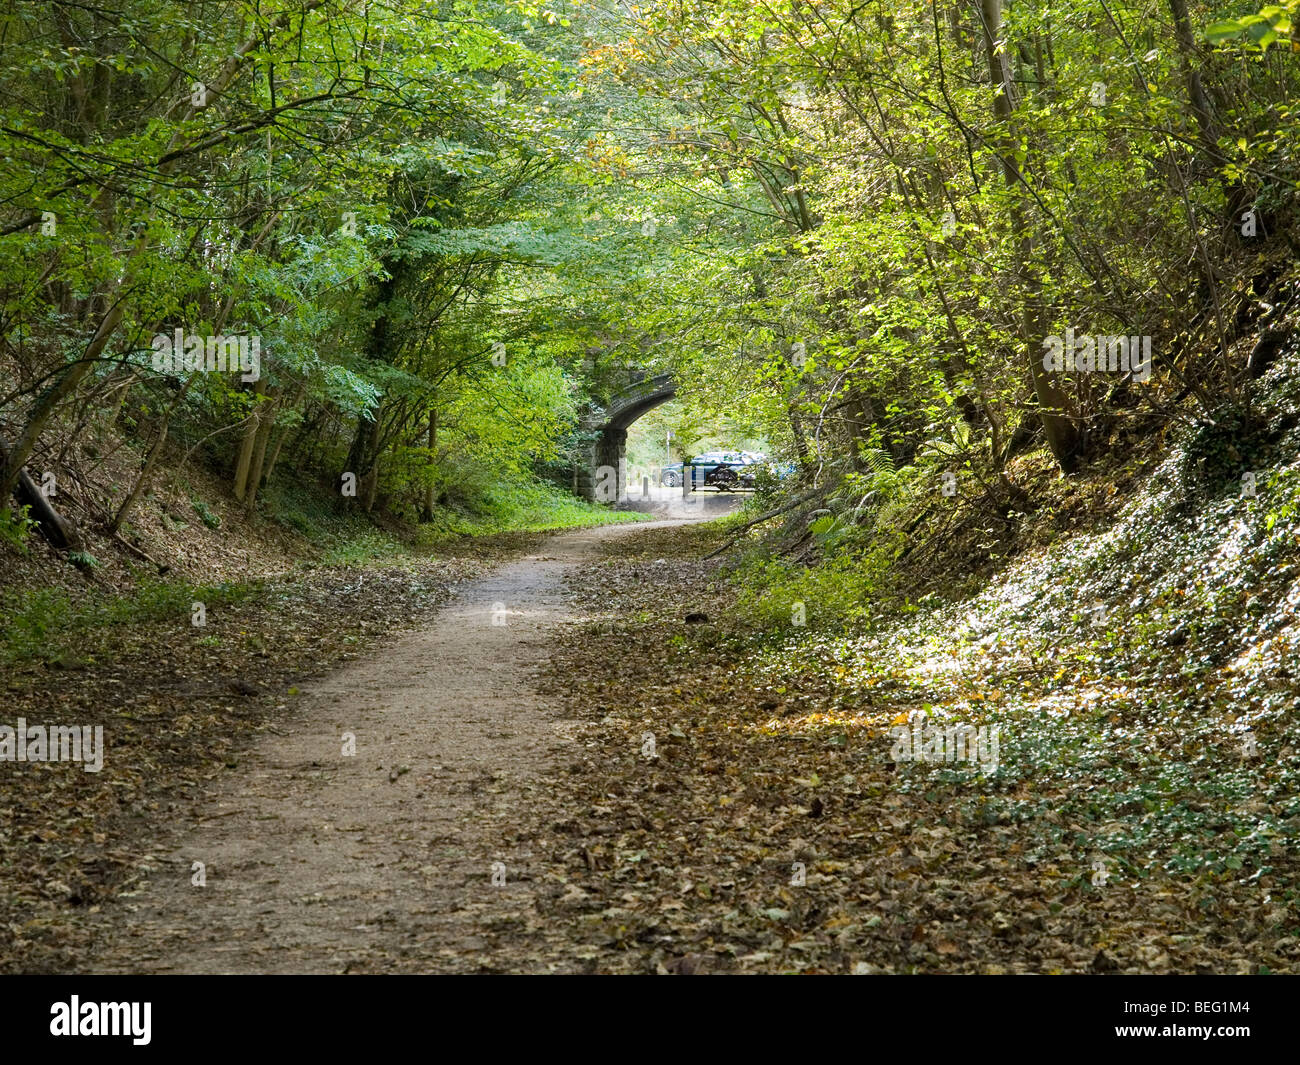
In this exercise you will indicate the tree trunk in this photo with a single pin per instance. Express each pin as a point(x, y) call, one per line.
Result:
point(355, 462)
point(371, 486)
point(1189, 59)
point(115, 411)
point(146, 471)
point(279, 440)
point(246, 446)
point(266, 422)
point(44, 408)
point(58, 530)
point(796, 430)
point(430, 490)
point(1054, 407)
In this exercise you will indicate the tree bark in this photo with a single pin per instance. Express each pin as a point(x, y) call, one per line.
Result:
point(371, 480)
point(152, 460)
point(430, 490)
point(61, 532)
point(1054, 408)
point(1189, 59)
point(266, 421)
point(44, 408)
point(279, 441)
point(245, 459)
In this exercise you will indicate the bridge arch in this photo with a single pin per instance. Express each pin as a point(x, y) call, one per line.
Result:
point(609, 449)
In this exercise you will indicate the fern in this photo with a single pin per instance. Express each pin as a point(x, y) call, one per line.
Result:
point(881, 462)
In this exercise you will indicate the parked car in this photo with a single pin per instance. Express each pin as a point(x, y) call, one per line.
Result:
point(671, 475)
point(726, 470)
point(745, 463)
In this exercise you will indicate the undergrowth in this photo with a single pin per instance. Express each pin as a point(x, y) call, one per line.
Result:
point(54, 625)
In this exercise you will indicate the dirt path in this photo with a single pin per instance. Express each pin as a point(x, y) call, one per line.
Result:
point(316, 861)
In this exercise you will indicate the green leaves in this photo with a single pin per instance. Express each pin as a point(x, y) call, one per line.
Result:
point(1273, 24)
point(520, 241)
point(1221, 31)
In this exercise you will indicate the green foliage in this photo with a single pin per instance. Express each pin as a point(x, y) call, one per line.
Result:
point(453, 229)
point(522, 504)
point(205, 514)
point(1272, 25)
point(16, 526)
point(337, 193)
point(45, 623)
point(369, 546)
point(843, 592)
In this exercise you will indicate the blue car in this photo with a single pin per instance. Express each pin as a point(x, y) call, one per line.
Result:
point(671, 475)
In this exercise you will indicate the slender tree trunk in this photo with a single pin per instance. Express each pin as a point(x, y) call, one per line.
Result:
point(115, 411)
point(859, 416)
point(275, 456)
point(1054, 407)
point(266, 422)
point(796, 429)
point(43, 410)
point(246, 446)
point(146, 471)
point(371, 482)
point(279, 440)
point(372, 487)
point(1189, 60)
point(430, 490)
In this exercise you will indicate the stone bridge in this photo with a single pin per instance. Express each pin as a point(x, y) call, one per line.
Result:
point(602, 476)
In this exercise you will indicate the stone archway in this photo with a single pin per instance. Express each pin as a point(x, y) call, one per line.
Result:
point(603, 477)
